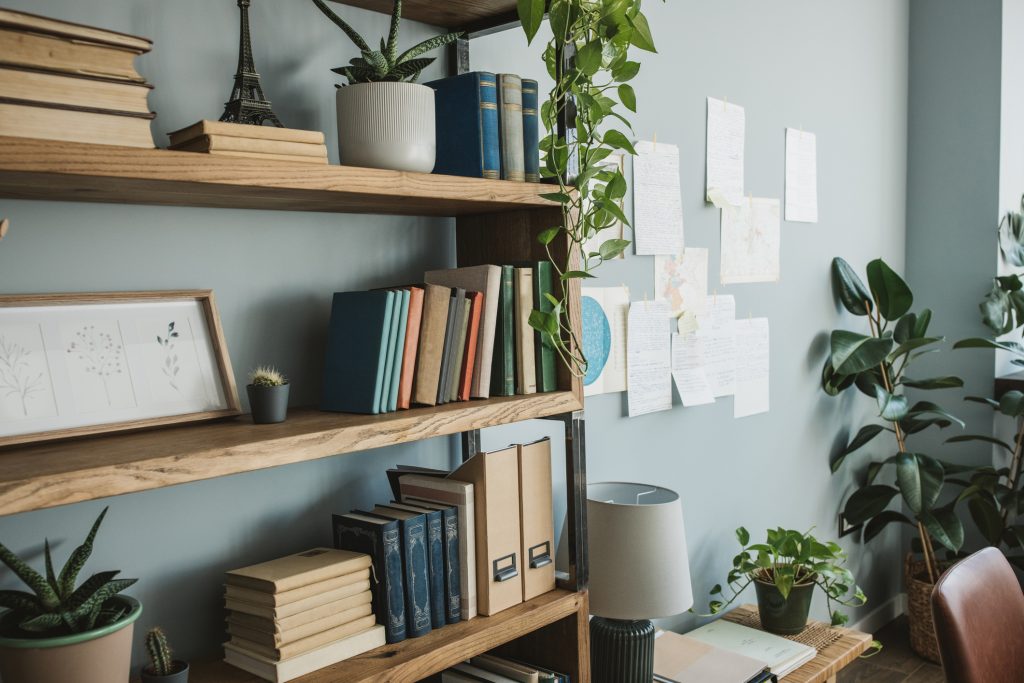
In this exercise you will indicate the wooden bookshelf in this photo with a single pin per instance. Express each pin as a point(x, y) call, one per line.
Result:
point(452, 14)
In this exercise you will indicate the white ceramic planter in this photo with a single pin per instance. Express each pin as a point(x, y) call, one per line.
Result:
point(387, 125)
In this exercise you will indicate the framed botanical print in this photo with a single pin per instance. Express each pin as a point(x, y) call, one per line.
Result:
point(81, 364)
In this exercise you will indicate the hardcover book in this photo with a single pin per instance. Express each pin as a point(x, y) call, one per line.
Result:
point(435, 558)
point(475, 300)
point(546, 362)
point(243, 626)
point(415, 565)
point(244, 130)
point(381, 540)
point(510, 125)
point(396, 365)
point(42, 85)
point(47, 121)
point(338, 587)
point(289, 650)
point(436, 301)
point(455, 379)
point(452, 566)
point(306, 605)
point(531, 132)
point(61, 54)
point(409, 353)
point(389, 356)
point(303, 620)
point(466, 112)
point(450, 342)
point(230, 143)
point(526, 364)
point(301, 569)
point(503, 369)
point(281, 671)
point(357, 345)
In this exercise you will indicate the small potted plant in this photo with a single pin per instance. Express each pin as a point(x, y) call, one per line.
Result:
point(785, 570)
point(163, 668)
point(60, 628)
point(385, 118)
point(268, 395)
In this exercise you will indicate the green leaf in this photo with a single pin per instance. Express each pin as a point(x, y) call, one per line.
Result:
point(892, 294)
point(947, 382)
point(924, 318)
point(391, 49)
point(428, 45)
point(987, 518)
point(559, 197)
point(1011, 404)
point(641, 36)
point(905, 328)
point(547, 236)
point(928, 408)
point(627, 97)
point(833, 383)
point(851, 290)
point(571, 274)
point(960, 438)
point(983, 343)
point(616, 187)
point(51, 577)
point(890, 407)
point(612, 248)
point(617, 140)
point(349, 31)
point(853, 353)
point(412, 67)
point(945, 527)
point(866, 434)
point(30, 577)
point(69, 574)
point(42, 623)
point(20, 601)
point(627, 71)
point(867, 502)
point(883, 519)
point(531, 16)
point(588, 59)
point(88, 589)
point(743, 536)
point(919, 479)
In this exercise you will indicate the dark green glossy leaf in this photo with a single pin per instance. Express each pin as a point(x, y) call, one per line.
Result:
point(531, 15)
point(1011, 404)
point(865, 435)
point(743, 536)
point(922, 408)
point(641, 36)
point(983, 343)
point(945, 527)
point(883, 519)
point(546, 236)
point(867, 502)
point(617, 140)
point(853, 353)
point(588, 59)
point(892, 294)
point(627, 71)
point(832, 383)
point(924, 319)
point(627, 97)
point(919, 479)
point(948, 382)
point(890, 407)
point(960, 438)
point(904, 331)
point(851, 290)
point(987, 518)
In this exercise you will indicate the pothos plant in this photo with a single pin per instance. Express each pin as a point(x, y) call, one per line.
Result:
point(876, 364)
point(588, 57)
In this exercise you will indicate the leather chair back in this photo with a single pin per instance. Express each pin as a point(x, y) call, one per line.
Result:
point(978, 607)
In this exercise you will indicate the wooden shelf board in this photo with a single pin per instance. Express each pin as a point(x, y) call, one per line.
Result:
point(60, 472)
point(418, 658)
point(72, 171)
point(449, 13)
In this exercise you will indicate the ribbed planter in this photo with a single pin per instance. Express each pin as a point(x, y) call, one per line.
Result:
point(621, 651)
point(103, 655)
point(387, 125)
point(785, 616)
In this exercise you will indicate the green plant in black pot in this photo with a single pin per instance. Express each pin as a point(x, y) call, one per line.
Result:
point(268, 395)
point(785, 570)
point(163, 668)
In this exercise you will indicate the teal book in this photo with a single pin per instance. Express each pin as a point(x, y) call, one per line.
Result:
point(531, 132)
point(357, 345)
point(503, 366)
point(389, 359)
point(415, 568)
point(466, 115)
point(544, 352)
point(510, 126)
point(396, 368)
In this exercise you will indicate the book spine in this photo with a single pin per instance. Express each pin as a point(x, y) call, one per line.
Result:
point(503, 368)
point(435, 541)
point(417, 582)
point(510, 121)
point(452, 576)
point(547, 379)
point(384, 547)
point(489, 126)
point(531, 132)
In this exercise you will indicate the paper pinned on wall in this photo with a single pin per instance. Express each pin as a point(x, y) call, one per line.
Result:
point(657, 202)
point(689, 369)
point(726, 139)
point(604, 313)
point(752, 367)
point(751, 243)
point(718, 327)
point(801, 176)
point(649, 358)
point(682, 280)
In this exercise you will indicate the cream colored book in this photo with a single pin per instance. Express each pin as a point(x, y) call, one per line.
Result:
point(25, 83)
point(301, 569)
point(227, 143)
point(50, 52)
point(242, 130)
point(526, 364)
point(67, 30)
point(280, 671)
point(306, 604)
point(279, 638)
point(46, 123)
point(332, 611)
point(306, 644)
point(290, 158)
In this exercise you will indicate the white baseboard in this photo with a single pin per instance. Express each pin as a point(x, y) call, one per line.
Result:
point(882, 615)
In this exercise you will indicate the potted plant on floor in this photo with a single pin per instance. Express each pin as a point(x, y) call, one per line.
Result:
point(268, 395)
point(163, 668)
point(385, 118)
point(785, 570)
point(60, 632)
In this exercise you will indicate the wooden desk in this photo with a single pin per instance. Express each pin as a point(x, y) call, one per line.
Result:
point(828, 663)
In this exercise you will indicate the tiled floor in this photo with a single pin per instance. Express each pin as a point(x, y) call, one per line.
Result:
point(896, 663)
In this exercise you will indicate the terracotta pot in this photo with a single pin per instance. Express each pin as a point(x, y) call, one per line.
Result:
point(785, 616)
point(387, 125)
point(103, 655)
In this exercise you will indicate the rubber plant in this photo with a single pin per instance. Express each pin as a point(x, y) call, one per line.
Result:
point(876, 363)
point(585, 119)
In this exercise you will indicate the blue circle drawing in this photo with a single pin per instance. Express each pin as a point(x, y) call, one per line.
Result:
point(597, 339)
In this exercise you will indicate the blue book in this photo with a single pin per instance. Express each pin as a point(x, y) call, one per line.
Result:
point(389, 359)
point(396, 370)
point(435, 557)
point(415, 566)
point(452, 575)
point(531, 131)
point(357, 346)
point(466, 112)
point(380, 539)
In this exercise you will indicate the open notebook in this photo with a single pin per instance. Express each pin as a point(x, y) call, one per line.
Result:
point(680, 659)
point(780, 654)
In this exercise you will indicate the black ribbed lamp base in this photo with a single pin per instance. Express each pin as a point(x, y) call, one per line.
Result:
point(621, 651)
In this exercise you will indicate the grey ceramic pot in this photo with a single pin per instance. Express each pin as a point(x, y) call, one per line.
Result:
point(268, 404)
point(785, 616)
point(179, 676)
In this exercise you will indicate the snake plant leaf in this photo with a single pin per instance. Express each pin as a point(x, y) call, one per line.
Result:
point(853, 353)
point(946, 382)
point(30, 577)
point(377, 61)
point(51, 577)
point(919, 479)
point(945, 527)
point(641, 35)
point(531, 15)
point(391, 51)
point(349, 31)
point(69, 574)
point(891, 407)
point(428, 45)
point(863, 437)
point(883, 519)
point(867, 502)
point(20, 601)
point(88, 589)
point(42, 623)
point(413, 67)
point(851, 290)
point(986, 517)
point(892, 294)
point(108, 591)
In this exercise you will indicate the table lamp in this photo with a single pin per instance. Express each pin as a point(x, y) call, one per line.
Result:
point(638, 571)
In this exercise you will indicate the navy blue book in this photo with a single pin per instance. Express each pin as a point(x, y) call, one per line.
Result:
point(416, 568)
point(531, 131)
point(435, 557)
point(380, 539)
point(452, 573)
point(357, 351)
point(466, 113)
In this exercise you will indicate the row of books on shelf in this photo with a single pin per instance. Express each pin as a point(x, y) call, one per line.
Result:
point(487, 126)
point(494, 669)
point(463, 334)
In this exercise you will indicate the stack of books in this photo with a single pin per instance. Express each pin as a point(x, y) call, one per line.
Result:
point(500, 670)
point(65, 81)
point(251, 142)
point(464, 333)
point(487, 126)
point(296, 614)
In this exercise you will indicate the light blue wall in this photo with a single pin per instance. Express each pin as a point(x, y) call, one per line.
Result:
point(838, 69)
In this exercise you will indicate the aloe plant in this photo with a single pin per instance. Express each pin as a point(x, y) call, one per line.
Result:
point(56, 606)
point(385, 64)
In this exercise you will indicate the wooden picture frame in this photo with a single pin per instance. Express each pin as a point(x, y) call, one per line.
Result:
point(82, 364)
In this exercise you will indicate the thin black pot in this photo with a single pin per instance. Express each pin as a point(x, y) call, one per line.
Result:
point(785, 616)
point(179, 676)
point(268, 404)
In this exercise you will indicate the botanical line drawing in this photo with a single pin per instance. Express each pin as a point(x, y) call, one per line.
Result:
point(170, 367)
point(16, 377)
point(101, 354)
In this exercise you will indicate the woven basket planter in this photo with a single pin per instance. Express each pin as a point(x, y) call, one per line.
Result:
point(919, 609)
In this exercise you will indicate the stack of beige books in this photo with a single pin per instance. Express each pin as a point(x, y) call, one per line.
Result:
point(250, 141)
point(65, 81)
point(296, 614)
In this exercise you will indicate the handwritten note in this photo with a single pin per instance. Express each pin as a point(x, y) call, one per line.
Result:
point(801, 176)
point(689, 369)
point(751, 243)
point(718, 328)
point(604, 313)
point(649, 358)
point(683, 280)
point(752, 367)
point(726, 138)
point(657, 202)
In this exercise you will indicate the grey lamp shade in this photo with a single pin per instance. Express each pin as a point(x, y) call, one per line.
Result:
point(637, 548)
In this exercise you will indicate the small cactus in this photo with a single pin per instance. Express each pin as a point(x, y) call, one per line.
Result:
point(159, 651)
point(267, 376)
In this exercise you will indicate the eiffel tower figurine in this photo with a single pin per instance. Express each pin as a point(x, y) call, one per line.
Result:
point(248, 103)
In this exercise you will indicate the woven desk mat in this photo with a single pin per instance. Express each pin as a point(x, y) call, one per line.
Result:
point(818, 635)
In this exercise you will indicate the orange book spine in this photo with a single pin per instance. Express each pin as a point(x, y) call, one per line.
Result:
point(466, 378)
point(412, 340)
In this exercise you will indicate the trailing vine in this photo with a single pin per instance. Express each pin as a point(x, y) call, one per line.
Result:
point(588, 59)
